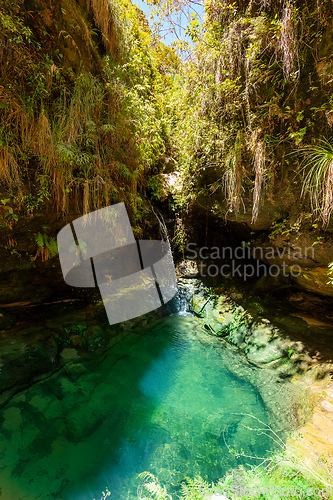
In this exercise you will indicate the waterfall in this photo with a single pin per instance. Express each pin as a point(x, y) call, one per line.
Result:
point(161, 222)
point(182, 302)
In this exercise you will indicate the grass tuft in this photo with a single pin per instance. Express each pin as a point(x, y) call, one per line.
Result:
point(318, 181)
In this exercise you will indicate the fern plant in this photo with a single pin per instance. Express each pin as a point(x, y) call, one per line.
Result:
point(150, 486)
point(46, 246)
point(330, 274)
point(196, 489)
point(318, 181)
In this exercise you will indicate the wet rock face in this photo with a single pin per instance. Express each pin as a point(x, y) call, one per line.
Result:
point(282, 237)
point(315, 280)
point(262, 343)
point(306, 250)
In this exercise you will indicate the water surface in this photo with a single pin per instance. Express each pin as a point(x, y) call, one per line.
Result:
point(161, 400)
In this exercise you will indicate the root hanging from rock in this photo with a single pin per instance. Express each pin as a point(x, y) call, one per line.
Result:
point(259, 168)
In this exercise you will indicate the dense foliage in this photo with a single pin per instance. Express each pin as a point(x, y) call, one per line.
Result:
point(258, 89)
point(92, 101)
point(81, 122)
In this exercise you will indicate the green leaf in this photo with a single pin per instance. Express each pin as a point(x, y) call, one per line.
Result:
point(40, 240)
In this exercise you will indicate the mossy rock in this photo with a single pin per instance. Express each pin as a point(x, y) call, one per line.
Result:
point(264, 354)
point(6, 320)
point(22, 362)
point(316, 280)
point(220, 325)
point(94, 336)
point(199, 304)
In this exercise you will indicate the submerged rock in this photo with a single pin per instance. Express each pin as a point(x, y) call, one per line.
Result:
point(6, 320)
point(24, 358)
point(95, 336)
point(68, 353)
